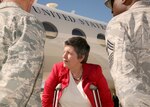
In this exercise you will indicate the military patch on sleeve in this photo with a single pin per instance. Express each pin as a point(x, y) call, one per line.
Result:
point(110, 51)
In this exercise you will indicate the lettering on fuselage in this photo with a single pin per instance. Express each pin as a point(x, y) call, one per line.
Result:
point(61, 16)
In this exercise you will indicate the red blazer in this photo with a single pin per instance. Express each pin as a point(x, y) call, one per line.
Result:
point(92, 74)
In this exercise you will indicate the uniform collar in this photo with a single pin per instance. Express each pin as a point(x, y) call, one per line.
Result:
point(9, 4)
point(140, 4)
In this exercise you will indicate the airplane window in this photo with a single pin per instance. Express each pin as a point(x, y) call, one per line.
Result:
point(101, 36)
point(51, 30)
point(101, 39)
point(78, 32)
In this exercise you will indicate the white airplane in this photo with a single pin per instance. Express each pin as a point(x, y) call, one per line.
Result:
point(60, 26)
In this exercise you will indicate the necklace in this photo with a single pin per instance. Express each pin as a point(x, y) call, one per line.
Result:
point(77, 79)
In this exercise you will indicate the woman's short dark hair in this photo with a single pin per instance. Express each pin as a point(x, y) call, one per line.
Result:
point(81, 47)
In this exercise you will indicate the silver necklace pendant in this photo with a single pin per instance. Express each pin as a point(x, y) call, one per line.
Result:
point(77, 79)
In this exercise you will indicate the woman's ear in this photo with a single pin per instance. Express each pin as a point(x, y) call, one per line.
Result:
point(82, 58)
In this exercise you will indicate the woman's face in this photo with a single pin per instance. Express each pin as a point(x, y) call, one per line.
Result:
point(70, 57)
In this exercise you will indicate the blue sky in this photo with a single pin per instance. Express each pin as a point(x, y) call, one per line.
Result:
point(94, 9)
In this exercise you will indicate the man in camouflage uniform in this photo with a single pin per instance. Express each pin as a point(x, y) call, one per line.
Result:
point(128, 46)
point(21, 55)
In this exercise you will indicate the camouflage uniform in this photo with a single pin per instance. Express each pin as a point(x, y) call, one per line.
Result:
point(21, 55)
point(128, 46)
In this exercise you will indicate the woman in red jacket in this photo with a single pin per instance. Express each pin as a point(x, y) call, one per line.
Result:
point(76, 78)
